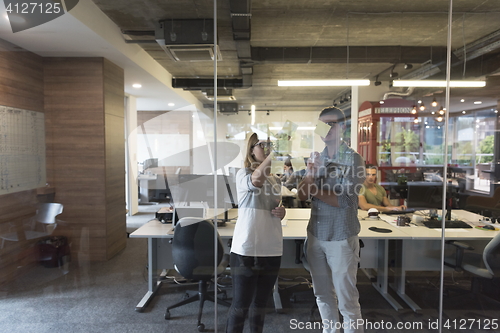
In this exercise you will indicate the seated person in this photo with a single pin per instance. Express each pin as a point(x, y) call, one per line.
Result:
point(373, 195)
point(287, 170)
point(295, 178)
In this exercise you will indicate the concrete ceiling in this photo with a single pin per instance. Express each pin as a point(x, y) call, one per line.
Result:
point(317, 39)
point(279, 39)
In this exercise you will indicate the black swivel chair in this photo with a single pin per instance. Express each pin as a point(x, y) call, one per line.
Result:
point(484, 265)
point(193, 256)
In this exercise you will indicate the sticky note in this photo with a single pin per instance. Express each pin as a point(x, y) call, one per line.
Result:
point(277, 167)
point(289, 128)
point(322, 129)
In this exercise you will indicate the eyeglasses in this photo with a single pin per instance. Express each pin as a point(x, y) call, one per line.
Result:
point(332, 123)
point(264, 145)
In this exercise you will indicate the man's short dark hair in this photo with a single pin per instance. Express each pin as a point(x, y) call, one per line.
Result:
point(333, 110)
point(371, 166)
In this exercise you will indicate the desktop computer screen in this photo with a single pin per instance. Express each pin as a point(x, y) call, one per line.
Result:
point(425, 196)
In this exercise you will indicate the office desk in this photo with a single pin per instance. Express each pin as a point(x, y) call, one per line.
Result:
point(373, 255)
point(422, 251)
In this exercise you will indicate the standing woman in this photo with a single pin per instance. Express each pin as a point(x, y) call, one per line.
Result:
point(258, 240)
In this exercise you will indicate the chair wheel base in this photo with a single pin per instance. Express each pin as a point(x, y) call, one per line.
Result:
point(201, 328)
point(167, 315)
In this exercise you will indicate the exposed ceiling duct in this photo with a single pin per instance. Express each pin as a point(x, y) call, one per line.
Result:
point(357, 54)
point(187, 40)
point(408, 92)
point(479, 47)
point(241, 24)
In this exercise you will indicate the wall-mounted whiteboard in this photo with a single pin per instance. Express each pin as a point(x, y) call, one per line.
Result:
point(22, 150)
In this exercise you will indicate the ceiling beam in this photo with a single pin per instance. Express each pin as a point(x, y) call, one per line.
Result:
point(357, 54)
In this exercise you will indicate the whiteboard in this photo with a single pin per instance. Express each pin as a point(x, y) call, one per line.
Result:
point(22, 150)
point(170, 149)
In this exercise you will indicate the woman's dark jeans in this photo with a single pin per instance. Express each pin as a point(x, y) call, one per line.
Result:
point(253, 281)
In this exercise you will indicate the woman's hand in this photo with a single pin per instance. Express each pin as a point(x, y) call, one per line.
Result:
point(279, 212)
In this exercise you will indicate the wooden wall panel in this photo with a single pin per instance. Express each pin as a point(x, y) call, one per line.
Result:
point(78, 92)
point(21, 78)
point(21, 86)
point(114, 108)
point(82, 99)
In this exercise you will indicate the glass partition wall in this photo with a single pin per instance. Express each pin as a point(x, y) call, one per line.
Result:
point(187, 158)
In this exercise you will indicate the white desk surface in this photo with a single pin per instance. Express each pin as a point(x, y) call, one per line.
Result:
point(297, 219)
point(295, 228)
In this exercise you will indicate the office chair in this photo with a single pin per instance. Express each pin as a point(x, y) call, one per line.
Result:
point(482, 266)
point(193, 256)
point(46, 215)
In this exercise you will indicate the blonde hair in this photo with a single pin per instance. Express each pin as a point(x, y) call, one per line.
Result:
point(250, 161)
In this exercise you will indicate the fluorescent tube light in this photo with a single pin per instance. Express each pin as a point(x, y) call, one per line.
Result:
point(442, 83)
point(322, 83)
point(252, 108)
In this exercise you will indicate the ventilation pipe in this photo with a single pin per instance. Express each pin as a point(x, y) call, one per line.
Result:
point(397, 93)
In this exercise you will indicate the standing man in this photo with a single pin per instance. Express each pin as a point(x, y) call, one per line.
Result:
point(333, 180)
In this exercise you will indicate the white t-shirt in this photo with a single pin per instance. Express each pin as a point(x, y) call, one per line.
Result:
point(257, 233)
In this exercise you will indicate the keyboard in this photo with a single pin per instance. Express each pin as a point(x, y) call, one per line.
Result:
point(447, 224)
point(400, 212)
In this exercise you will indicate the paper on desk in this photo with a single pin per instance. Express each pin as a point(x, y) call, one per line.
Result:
point(322, 129)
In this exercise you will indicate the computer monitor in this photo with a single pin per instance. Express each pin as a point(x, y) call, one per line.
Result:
point(200, 188)
point(423, 195)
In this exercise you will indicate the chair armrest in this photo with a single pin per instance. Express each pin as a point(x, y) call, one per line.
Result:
point(461, 245)
point(459, 254)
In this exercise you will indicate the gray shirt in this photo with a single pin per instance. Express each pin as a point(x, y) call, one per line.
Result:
point(344, 174)
point(257, 232)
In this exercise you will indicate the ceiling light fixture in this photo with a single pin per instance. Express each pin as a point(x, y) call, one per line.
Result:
point(408, 66)
point(434, 102)
point(462, 100)
point(377, 82)
point(137, 85)
point(171, 104)
point(322, 83)
point(422, 107)
point(414, 110)
point(252, 109)
point(478, 102)
point(436, 83)
point(464, 112)
point(441, 111)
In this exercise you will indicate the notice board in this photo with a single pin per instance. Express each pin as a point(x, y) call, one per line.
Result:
point(22, 150)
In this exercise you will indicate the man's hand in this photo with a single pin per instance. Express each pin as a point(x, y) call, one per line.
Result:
point(313, 163)
point(279, 212)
